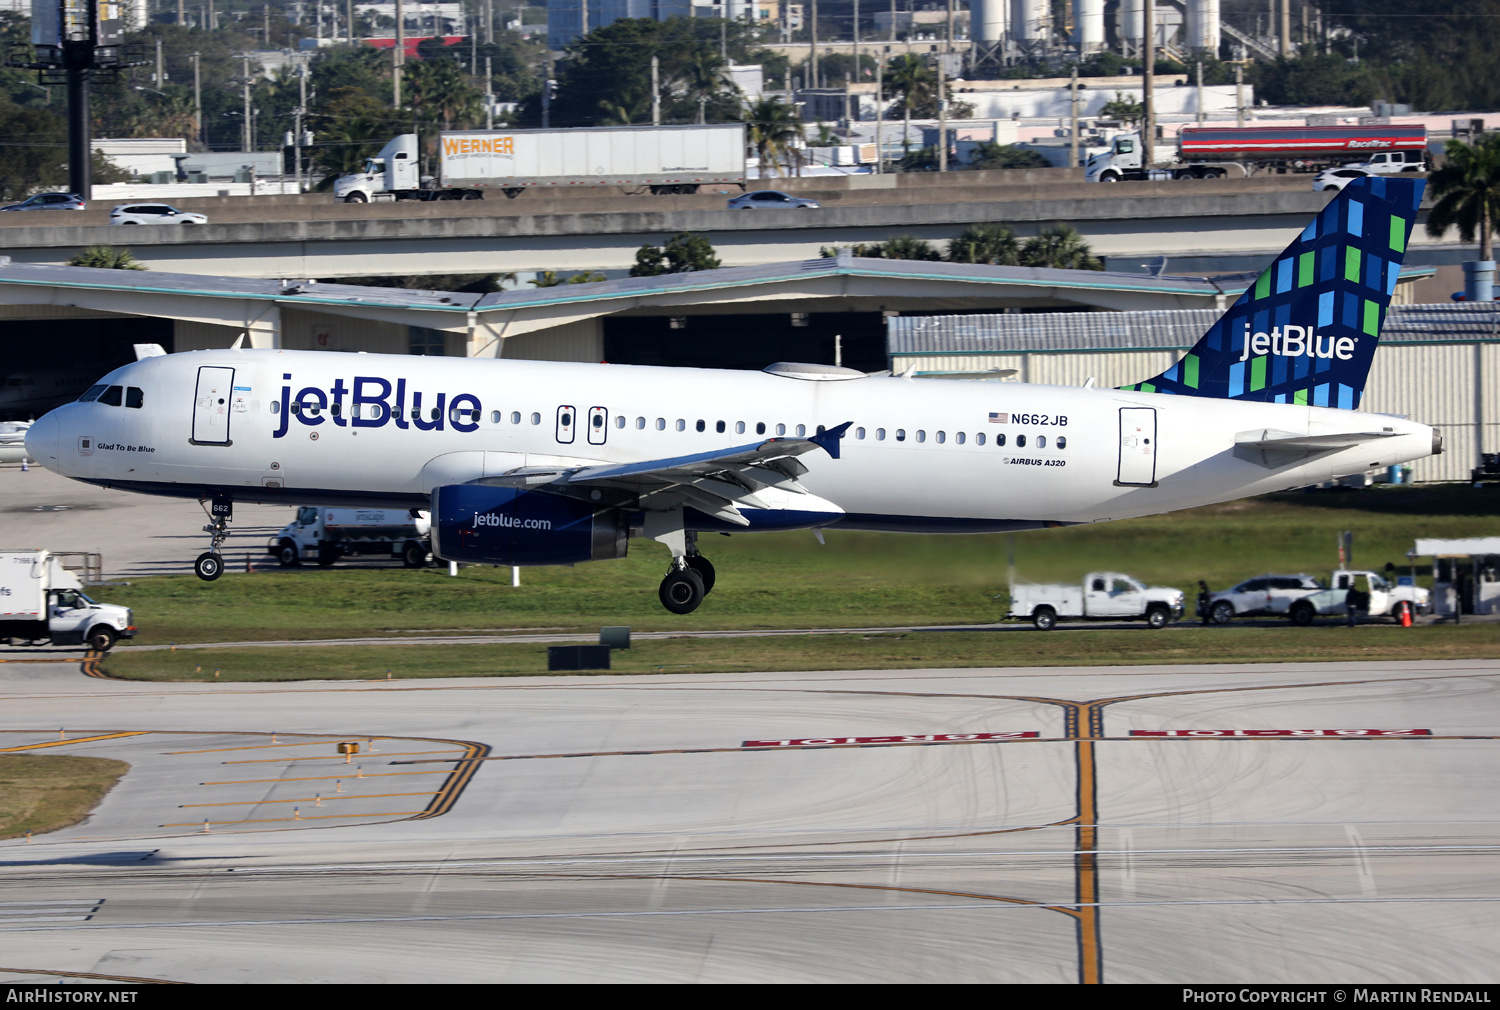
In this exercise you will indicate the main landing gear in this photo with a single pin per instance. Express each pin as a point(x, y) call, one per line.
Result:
point(691, 576)
point(210, 564)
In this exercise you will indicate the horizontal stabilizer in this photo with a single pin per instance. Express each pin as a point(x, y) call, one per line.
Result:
point(1269, 447)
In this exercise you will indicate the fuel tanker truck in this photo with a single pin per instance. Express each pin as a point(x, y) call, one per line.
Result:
point(1212, 152)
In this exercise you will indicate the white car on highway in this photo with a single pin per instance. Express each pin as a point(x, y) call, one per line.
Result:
point(153, 213)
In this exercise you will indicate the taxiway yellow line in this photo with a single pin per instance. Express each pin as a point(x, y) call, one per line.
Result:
point(319, 778)
point(79, 739)
point(304, 799)
point(288, 820)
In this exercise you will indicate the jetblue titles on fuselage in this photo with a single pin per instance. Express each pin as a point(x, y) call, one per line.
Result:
point(373, 402)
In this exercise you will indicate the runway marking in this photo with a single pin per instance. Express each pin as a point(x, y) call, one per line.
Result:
point(304, 799)
point(65, 743)
point(905, 738)
point(86, 974)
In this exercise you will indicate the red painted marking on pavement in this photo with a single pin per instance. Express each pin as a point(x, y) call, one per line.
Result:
point(1280, 732)
point(831, 741)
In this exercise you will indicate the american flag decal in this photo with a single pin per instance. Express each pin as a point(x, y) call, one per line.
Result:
point(999, 418)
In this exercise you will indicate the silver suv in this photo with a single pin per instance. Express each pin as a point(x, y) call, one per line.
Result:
point(50, 201)
point(1262, 595)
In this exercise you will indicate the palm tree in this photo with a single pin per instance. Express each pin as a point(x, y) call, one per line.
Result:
point(1060, 246)
point(439, 93)
point(906, 247)
point(1468, 192)
point(703, 75)
point(105, 257)
point(909, 76)
point(985, 243)
point(773, 125)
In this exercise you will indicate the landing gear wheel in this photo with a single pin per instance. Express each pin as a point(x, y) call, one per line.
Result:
point(414, 555)
point(1158, 617)
point(1045, 618)
point(208, 567)
point(1301, 614)
point(681, 591)
point(101, 639)
point(705, 570)
point(287, 555)
point(1222, 612)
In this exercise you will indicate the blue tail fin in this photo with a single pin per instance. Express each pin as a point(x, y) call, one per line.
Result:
point(1305, 332)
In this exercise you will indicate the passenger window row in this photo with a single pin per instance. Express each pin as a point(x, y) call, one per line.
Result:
point(111, 395)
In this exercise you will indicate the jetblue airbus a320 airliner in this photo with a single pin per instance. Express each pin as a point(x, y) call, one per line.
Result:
point(545, 463)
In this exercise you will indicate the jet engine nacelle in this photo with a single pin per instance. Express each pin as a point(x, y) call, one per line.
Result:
point(509, 526)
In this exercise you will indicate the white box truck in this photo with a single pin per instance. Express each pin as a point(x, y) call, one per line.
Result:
point(658, 159)
point(41, 601)
point(326, 534)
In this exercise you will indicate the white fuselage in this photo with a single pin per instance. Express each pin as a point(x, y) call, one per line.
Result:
point(921, 455)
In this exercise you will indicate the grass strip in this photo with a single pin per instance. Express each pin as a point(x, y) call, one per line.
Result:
point(41, 793)
point(788, 580)
point(1079, 647)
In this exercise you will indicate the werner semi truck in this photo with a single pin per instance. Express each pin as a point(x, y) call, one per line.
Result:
point(1212, 152)
point(658, 159)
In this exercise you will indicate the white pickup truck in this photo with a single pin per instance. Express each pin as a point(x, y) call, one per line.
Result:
point(1386, 600)
point(1102, 596)
point(41, 601)
point(326, 534)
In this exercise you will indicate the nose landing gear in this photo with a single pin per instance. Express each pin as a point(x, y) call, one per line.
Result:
point(210, 564)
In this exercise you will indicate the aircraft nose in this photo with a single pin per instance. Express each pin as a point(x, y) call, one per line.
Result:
point(41, 440)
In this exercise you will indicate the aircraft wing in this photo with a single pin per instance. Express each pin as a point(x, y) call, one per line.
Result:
point(715, 482)
point(1272, 448)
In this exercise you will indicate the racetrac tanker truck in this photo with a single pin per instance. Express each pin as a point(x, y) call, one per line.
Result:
point(658, 159)
point(1211, 152)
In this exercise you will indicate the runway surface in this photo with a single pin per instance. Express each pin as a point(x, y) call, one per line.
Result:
point(935, 826)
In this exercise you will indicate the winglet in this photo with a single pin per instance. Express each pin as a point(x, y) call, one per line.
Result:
point(829, 440)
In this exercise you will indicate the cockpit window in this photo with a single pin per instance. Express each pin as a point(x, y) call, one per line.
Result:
point(112, 396)
point(134, 397)
point(92, 393)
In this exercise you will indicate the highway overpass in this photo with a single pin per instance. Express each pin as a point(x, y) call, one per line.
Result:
point(1230, 224)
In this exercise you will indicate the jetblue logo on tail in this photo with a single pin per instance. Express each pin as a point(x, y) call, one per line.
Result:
point(1296, 341)
point(1306, 330)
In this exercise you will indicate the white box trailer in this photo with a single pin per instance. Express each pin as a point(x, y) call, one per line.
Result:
point(662, 159)
point(41, 601)
point(656, 159)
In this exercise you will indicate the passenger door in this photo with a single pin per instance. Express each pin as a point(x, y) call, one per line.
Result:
point(1137, 447)
point(211, 406)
